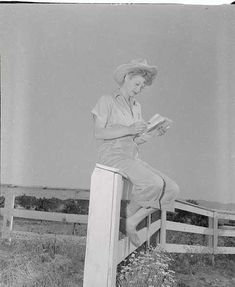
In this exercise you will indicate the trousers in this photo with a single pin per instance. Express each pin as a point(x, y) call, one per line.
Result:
point(151, 188)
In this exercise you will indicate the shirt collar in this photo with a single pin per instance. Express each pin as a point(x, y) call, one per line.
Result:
point(117, 93)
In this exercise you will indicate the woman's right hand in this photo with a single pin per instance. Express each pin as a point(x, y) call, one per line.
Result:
point(137, 128)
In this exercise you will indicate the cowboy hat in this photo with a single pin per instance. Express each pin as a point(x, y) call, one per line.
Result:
point(122, 70)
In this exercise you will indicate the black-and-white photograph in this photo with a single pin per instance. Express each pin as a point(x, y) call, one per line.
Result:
point(117, 144)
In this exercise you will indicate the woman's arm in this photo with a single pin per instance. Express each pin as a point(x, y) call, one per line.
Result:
point(142, 138)
point(117, 131)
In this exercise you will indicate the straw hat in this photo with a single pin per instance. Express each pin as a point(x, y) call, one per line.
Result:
point(122, 70)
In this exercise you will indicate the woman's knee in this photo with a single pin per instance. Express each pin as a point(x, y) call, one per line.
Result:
point(160, 184)
point(157, 182)
point(151, 183)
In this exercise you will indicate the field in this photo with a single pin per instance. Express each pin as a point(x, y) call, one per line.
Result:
point(57, 259)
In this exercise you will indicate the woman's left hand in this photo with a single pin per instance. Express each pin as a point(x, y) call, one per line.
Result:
point(161, 130)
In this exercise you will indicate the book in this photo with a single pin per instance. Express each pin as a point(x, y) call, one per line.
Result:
point(156, 121)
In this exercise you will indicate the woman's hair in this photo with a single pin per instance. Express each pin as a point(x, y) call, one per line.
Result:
point(147, 75)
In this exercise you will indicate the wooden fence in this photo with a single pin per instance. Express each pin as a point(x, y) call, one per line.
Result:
point(104, 250)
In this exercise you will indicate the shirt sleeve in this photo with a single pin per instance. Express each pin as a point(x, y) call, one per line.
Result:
point(102, 110)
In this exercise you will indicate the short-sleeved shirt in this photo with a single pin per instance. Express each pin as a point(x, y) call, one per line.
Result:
point(114, 110)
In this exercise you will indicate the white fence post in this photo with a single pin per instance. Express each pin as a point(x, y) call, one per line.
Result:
point(215, 230)
point(213, 239)
point(210, 239)
point(148, 230)
point(163, 229)
point(103, 228)
point(158, 237)
point(8, 214)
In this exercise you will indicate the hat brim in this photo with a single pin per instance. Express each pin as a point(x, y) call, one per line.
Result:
point(121, 71)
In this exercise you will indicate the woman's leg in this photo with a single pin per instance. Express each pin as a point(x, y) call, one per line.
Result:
point(148, 188)
point(171, 189)
point(165, 189)
point(132, 222)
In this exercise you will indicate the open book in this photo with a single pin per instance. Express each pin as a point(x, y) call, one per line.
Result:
point(157, 121)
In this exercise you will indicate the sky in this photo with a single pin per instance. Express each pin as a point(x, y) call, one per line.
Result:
point(190, 2)
point(57, 60)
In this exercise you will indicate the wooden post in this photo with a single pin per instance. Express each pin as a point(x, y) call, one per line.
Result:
point(158, 237)
point(210, 225)
point(215, 235)
point(211, 238)
point(103, 228)
point(148, 230)
point(163, 229)
point(8, 214)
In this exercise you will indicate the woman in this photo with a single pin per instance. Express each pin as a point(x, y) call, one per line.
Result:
point(119, 129)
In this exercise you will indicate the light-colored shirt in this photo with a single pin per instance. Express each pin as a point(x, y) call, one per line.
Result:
point(113, 110)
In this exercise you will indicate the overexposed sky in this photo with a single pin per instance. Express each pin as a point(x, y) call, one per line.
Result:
point(57, 60)
point(190, 2)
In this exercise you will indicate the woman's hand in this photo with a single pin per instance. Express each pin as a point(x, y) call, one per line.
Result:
point(146, 136)
point(161, 130)
point(137, 128)
point(117, 131)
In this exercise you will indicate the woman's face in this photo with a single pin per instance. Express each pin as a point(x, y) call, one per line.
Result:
point(134, 84)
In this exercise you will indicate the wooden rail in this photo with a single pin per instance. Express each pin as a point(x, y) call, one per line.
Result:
point(9, 212)
point(103, 249)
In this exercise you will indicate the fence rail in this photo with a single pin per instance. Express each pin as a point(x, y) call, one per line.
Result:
point(103, 249)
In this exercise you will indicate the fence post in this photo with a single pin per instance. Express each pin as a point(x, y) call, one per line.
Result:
point(103, 228)
point(158, 237)
point(211, 238)
point(148, 230)
point(210, 225)
point(163, 229)
point(8, 214)
point(215, 234)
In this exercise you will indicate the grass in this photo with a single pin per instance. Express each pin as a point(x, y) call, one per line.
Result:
point(56, 262)
point(196, 270)
point(41, 261)
point(49, 227)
